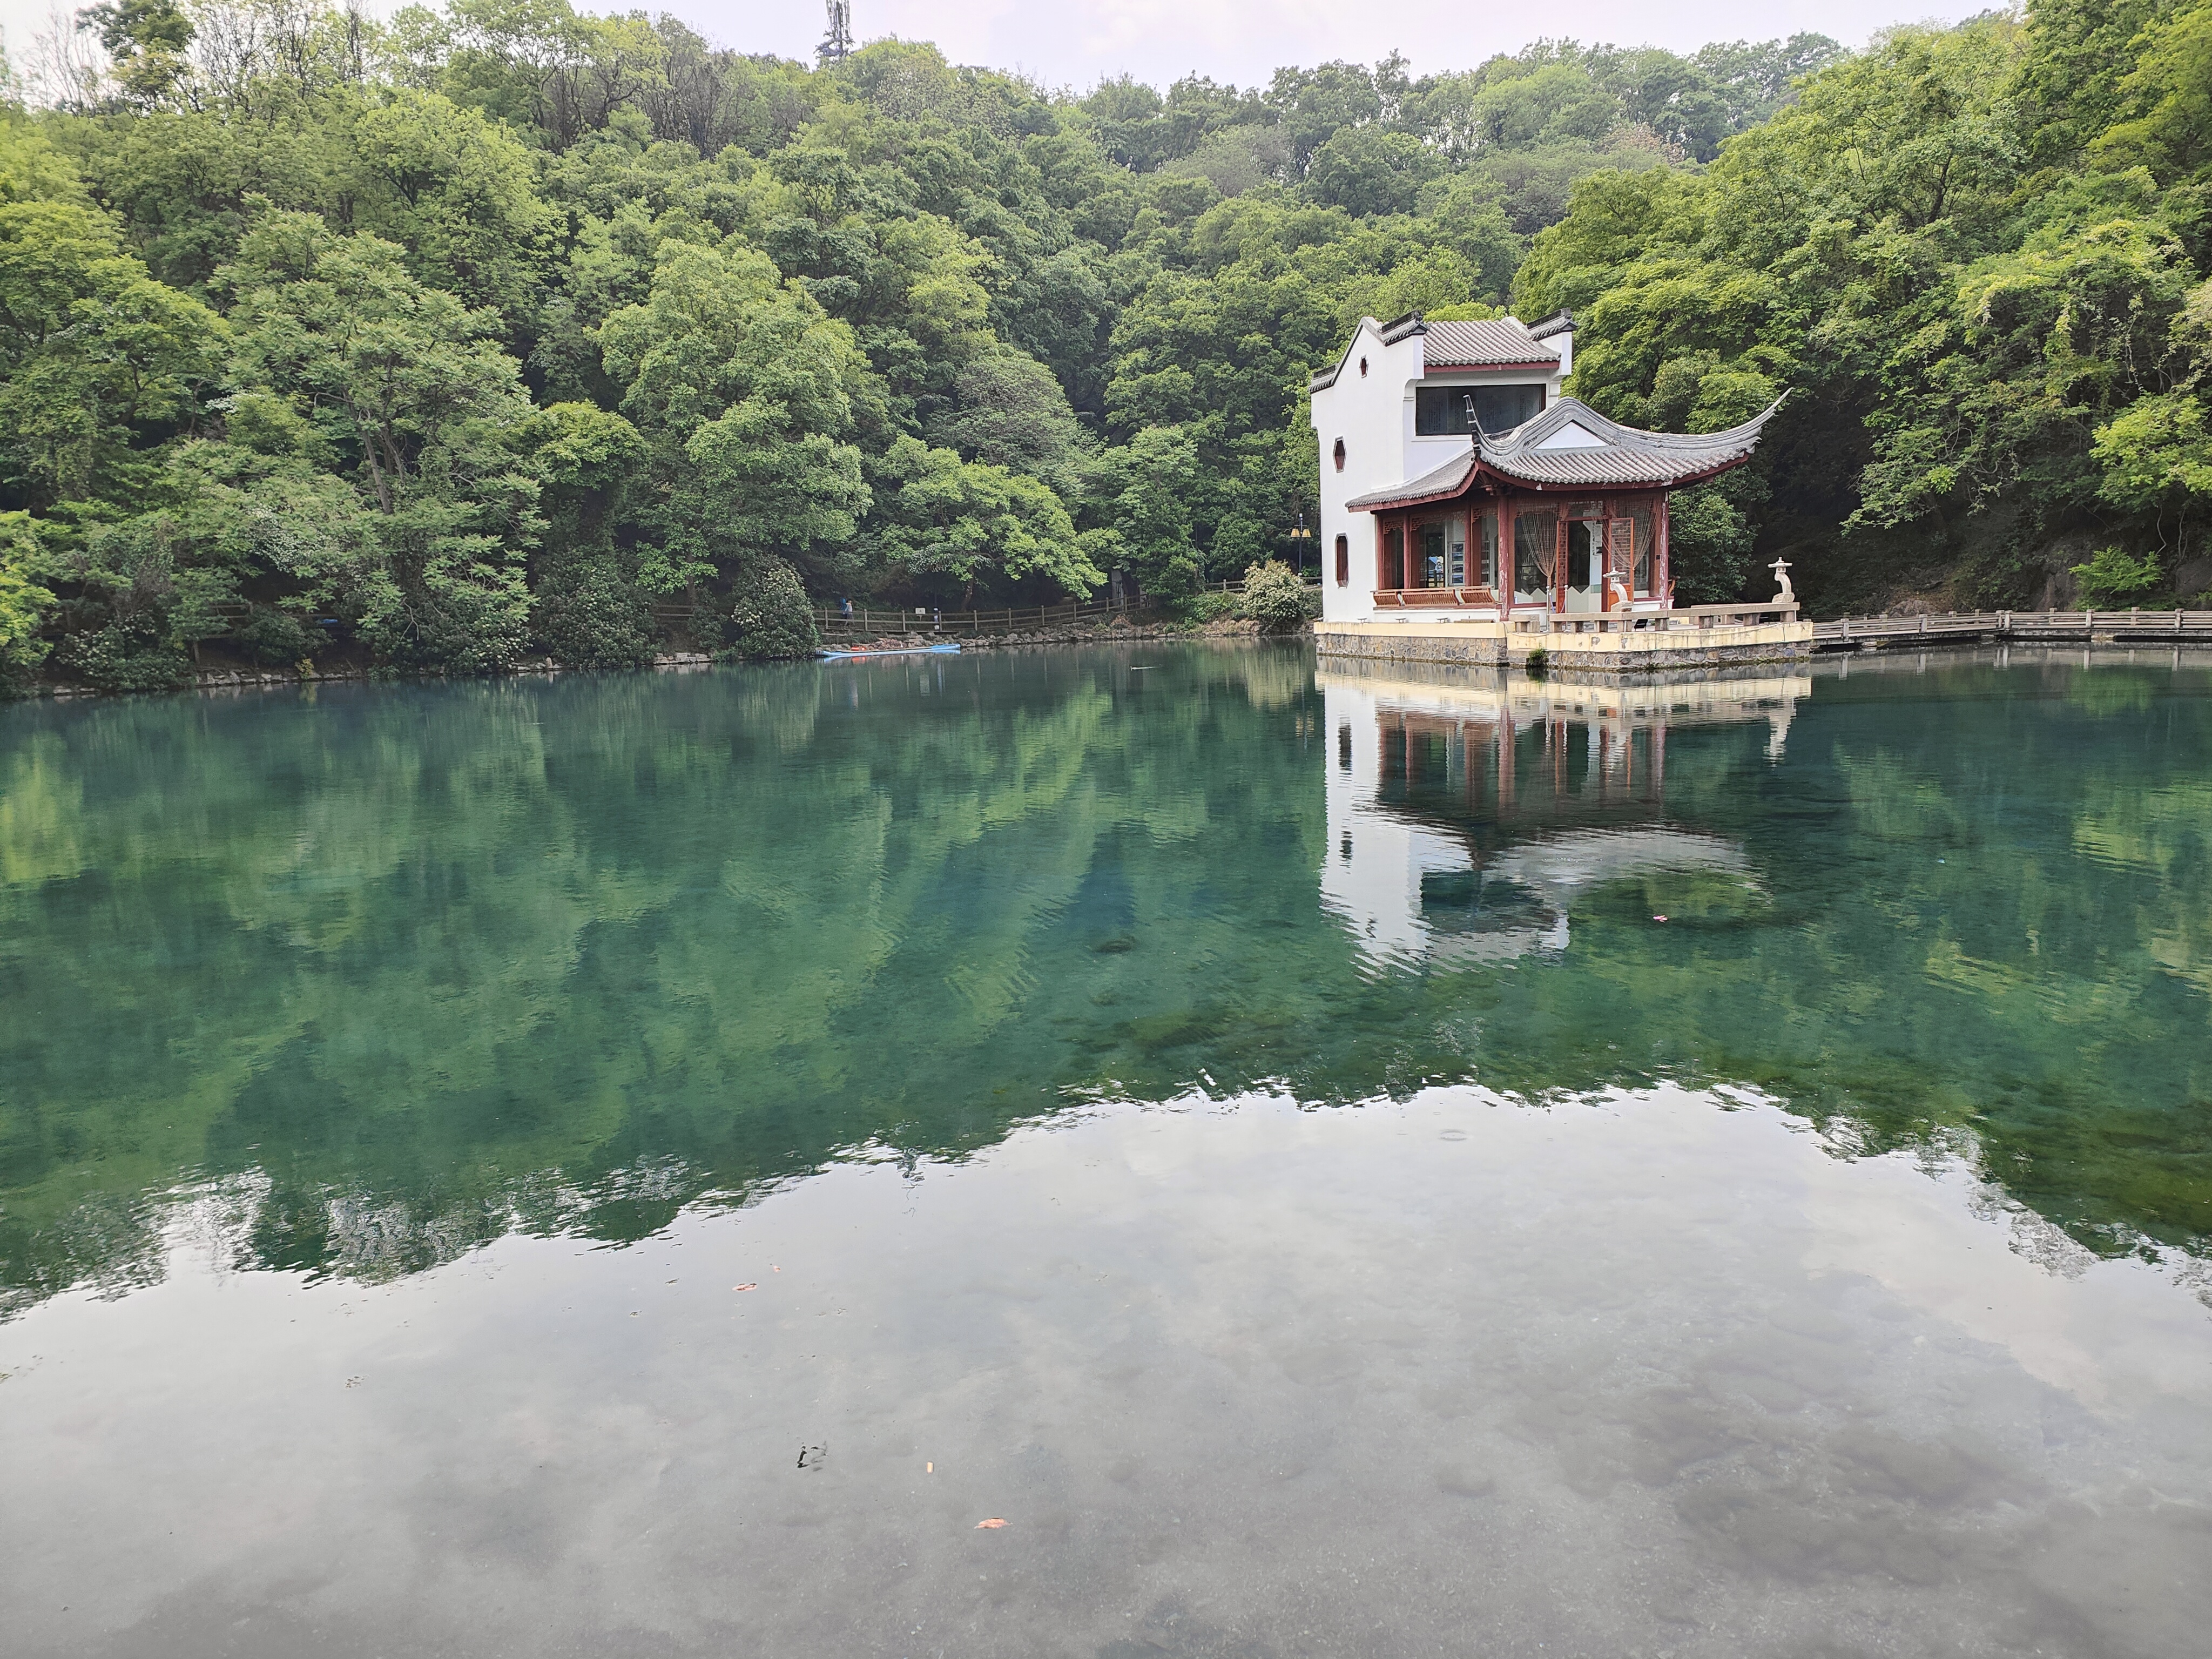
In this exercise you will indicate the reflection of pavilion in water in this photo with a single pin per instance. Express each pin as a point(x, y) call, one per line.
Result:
point(1467, 808)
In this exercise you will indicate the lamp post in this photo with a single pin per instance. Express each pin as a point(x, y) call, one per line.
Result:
point(1299, 536)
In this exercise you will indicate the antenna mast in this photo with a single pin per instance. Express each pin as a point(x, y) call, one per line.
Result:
point(837, 46)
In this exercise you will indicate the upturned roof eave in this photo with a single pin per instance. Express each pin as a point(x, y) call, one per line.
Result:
point(1587, 487)
point(1483, 471)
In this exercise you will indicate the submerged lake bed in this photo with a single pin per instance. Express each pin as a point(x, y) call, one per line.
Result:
point(1336, 1159)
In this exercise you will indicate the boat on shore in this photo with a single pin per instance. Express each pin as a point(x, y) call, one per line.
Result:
point(947, 649)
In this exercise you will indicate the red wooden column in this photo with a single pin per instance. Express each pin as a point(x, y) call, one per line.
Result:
point(1659, 553)
point(1506, 568)
point(1559, 564)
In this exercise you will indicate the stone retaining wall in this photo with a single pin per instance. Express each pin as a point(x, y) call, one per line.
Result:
point(1568, 652)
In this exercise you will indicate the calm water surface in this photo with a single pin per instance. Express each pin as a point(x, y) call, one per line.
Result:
point(1340, 1161)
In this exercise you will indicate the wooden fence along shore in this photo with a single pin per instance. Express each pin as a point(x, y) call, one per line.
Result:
point(2041, 627)
point(869, 622)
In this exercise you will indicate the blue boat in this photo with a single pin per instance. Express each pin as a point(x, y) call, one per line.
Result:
point(892, 651)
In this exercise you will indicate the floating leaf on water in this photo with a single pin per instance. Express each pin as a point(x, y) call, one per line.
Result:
point(744, 1287)
point(993, 1524)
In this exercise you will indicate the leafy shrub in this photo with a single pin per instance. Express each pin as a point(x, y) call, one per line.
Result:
point(2113, 577)
point(1201, 608)
point(130, 654)
point(1275, 598)
point(275, 636)
point(1709, 544)
point(589, 614)
point(772, 617)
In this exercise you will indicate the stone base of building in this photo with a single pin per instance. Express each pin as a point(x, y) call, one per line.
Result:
point(1570, 644)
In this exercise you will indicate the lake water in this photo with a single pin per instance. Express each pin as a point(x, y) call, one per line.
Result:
point(1339, 1161)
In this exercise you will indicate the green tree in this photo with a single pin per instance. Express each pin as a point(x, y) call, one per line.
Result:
point(407, 387)
point(974, 526)
point(98, 360)
point(746, 392)
point(1141, 494)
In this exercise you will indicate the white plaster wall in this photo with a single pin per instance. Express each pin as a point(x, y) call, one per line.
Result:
point(1374, 416)
point(1368, 413)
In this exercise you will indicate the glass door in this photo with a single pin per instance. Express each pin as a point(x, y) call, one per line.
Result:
point(1620, 563)
point(1584, 581)
point(1536, 557)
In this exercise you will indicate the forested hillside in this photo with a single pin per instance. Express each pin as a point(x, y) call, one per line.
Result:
point(503, 330)
point(1977, 258)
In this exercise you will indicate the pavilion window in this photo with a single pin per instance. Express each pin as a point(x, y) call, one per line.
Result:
point(1392, 573)
point(1486, 550)
point(1440, 411)
point(1641, 529)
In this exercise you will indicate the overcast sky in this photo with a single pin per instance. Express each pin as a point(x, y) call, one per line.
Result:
point(1079, 42)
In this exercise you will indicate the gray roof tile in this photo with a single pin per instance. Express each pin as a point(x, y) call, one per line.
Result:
point(1444, 481)
point(1501, 343)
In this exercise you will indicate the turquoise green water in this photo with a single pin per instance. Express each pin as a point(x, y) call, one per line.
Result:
point(1340, 1161)
point(573, 954)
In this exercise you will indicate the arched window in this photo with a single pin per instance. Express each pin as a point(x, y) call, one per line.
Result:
point(1338, 454)
point(1344, 562)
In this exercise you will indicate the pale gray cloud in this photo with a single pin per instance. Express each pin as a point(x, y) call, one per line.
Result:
point(1079, 42)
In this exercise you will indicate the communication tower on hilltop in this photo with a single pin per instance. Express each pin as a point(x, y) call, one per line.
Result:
point(837, 46)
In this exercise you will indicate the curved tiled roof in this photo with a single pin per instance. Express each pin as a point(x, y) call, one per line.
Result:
point(1571, 443)
point(1447, 480)
point(1572, 446)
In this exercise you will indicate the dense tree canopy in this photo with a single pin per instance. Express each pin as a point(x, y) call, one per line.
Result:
point(500, 329)
point(1977, 256)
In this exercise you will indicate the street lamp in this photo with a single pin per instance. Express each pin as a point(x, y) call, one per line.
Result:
point(1299, 536)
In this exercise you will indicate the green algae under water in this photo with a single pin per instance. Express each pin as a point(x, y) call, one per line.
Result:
point(575, 953)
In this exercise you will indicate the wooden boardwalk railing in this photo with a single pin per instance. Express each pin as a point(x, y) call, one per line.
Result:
point(2052, 627)
point(873, 622)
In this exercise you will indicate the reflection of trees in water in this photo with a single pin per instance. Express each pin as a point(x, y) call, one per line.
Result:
point(430, 965)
